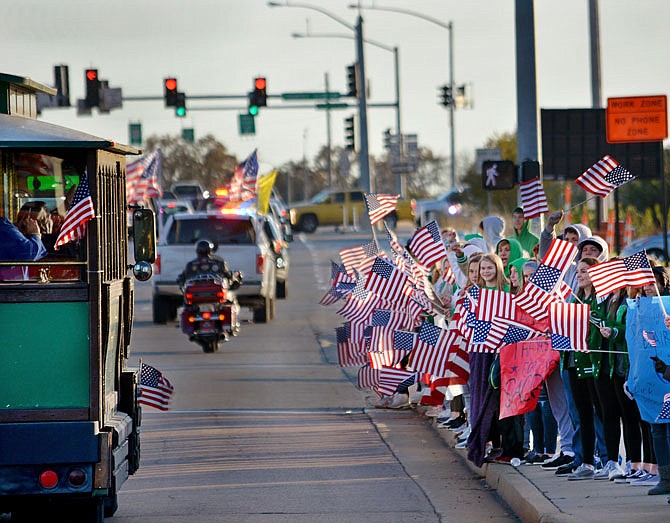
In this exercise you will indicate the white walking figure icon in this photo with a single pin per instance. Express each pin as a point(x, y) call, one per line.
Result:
point(491, 174)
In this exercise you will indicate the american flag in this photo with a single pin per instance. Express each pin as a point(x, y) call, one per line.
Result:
point(387, 281)
point(393, 241)
point(533, 199)
point(535, 300)
point(495, 305)
point(155, 389)
point(426, 245)
point(368, 378)
point(382, 350)
point(360, 304)
point(515, 335)
point(390, 378)
point(458, 361)
point(486, 336)
point(359, 258)
point(649, 337)
point(331, 296)
point(569, 321)
point(142, 177)
point(348, 353)
point(664, 415)
point(604, 176)
point(431, 349)
point(379, 205)
point(633, 270)
point(78, 215)
point(243, 184)
point(560, 255)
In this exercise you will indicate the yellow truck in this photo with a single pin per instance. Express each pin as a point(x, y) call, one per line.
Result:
point(338, 207)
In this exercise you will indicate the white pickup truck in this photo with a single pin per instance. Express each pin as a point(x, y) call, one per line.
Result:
point(238, 238)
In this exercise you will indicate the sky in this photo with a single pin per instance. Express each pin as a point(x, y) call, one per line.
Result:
point(217, 47)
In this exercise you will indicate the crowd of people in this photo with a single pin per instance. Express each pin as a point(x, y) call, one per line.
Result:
point(585, 412)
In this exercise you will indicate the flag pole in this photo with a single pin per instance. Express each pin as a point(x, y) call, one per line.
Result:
point(659, 297)
point(579, 204)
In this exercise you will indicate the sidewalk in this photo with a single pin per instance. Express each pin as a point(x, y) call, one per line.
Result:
point(537, 495)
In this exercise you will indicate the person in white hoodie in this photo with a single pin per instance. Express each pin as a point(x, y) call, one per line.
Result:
point(573, 233)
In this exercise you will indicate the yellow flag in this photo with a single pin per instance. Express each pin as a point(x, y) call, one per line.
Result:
point(264, 190)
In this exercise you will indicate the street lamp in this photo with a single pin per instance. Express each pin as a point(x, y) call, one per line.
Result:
point(365, 181)
point(396, 68)
point(449, 26)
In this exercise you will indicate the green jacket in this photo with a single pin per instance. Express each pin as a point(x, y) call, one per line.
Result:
point(515, 251)
point(526, 238)
point(617, 341)
point(588, 364)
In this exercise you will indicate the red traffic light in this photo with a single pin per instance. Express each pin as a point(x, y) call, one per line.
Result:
point(92, 74)
point(260, 83)
point(171, 84)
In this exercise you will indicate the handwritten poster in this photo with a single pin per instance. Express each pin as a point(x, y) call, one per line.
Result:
point(523, 368)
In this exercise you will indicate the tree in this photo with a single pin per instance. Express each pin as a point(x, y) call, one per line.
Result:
point(206, 161)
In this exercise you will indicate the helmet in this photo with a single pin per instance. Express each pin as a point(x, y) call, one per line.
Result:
point(204, 248)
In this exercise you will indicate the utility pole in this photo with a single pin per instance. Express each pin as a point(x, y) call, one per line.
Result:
point(329, 163)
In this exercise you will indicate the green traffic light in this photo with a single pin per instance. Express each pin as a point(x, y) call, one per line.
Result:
point(253, 110)
point(180, 111)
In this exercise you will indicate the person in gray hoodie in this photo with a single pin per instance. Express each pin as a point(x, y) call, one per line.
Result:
point(493, 229)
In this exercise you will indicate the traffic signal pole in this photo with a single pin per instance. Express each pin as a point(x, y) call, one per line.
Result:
point(364, 182)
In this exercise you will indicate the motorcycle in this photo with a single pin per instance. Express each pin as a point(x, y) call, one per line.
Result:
point(210, 312)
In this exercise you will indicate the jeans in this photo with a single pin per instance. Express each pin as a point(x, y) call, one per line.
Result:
point(660, 432)
point(559, 406)
point(544, 427)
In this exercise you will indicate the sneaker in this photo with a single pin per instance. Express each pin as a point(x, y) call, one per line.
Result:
point(458, 426)
point(464, 435)
point(432, 412)
point(399, 401)
point(533, 458)
point(565, 470)
point(462, 444)
point(633, 475)
point(455, 422)
point(581, 472)
point(604, 473)
point(383, 403)
point(620, 472)
point(493, 454)
point(648, 480)
point(503, 459)
point(444, 415)
point(557, 461)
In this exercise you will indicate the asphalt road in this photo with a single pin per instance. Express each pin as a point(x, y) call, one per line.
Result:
point(271, 429)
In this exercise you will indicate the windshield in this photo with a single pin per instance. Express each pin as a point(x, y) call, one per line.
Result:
point(220, 230)
point(321, 197)
point(36, 196)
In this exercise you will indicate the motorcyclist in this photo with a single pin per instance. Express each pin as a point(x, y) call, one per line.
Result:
point(207, 263)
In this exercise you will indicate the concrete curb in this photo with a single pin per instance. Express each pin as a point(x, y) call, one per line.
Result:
point(522, 496)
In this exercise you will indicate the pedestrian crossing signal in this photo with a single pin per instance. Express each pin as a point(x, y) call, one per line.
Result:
point(498, 175)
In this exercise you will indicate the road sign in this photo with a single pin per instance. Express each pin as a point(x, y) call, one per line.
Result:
point(311, 96)
point(135, 133)
point(331, 106)
point(637, 119)
point(247, 125)
point(188, 134)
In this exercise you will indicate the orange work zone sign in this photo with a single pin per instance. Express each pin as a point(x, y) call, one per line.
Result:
point(637, 119)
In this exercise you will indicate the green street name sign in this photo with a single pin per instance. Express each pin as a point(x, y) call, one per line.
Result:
point(311, 96)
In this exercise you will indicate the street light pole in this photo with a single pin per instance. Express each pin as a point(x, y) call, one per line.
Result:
point(449, 27)
point(363, 156)
point(329, 163)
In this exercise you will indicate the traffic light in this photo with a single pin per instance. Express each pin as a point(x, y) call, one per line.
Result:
point(258, 97)
point(180, 105)
point(446, 97)
point(349, 134)
point(260, 91)
point(352, 80)
point(92, 88)
point(387, 139)
point(498, 175)
point(170, 85)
